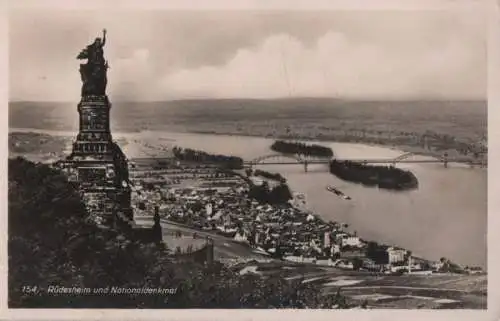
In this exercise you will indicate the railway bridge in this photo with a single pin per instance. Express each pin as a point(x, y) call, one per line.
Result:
point(284, 159)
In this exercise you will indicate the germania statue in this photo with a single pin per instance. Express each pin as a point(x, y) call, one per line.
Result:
point(93, 73)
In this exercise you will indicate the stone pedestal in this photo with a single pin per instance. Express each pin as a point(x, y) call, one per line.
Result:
point(99, 167)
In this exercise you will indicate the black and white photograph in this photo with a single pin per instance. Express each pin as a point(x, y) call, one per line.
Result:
point(248, 158)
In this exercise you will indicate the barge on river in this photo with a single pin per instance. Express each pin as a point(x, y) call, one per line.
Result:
point(337, 192)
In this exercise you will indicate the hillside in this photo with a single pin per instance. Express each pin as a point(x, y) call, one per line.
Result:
point(52, 245)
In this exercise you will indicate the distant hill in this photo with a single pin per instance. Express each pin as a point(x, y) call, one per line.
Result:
point(261, 116)
point(284, 101)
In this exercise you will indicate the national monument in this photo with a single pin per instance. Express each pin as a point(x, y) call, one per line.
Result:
point(97, 164)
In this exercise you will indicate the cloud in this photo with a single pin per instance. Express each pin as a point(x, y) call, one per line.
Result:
point(337, 66)
point(130, 77)
point(175, 55)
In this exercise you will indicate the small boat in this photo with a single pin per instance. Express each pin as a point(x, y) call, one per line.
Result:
point(337, 192)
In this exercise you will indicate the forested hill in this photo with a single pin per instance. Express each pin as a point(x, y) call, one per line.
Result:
point(50, 243)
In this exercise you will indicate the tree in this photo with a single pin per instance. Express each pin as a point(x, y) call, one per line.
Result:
point(46, 211)
point(357, 263)
point(376, 253)
point(408, 256)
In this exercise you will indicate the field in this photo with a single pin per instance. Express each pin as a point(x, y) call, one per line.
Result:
point(437, 291)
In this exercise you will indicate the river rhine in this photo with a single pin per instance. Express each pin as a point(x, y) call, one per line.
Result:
point(446, 216)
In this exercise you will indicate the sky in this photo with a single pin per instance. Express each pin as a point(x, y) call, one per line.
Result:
point(175, 54)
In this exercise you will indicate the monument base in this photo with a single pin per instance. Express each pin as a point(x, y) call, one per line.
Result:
point(98, 166)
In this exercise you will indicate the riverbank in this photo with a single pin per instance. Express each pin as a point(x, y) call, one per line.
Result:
point(405, 148)
point(416, 150)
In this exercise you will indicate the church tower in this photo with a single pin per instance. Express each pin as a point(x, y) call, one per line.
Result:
point(97, 164)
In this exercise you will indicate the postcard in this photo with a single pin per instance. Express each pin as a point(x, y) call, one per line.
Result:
point(249, 158)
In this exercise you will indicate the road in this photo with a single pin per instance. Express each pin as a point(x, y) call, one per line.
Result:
point(224, 247)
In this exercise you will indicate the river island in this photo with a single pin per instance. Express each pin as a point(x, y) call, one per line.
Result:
point(386, 177)
point(299, 148)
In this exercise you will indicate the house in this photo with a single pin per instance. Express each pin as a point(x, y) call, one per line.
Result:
point(437, 265)
point(396, 255)
point(416, 266)
point(473, 270)
point(241, 237)
point(351, 254)
point(334, 249)
point(340, 236)
point(326, 239)
point(421, 272)
point(395, 269)
point(343, 264)
point(370, 265)
point(353, 241)
point(327, 262)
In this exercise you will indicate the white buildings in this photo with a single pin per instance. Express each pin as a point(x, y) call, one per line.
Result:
point(353, 241)
point(396, 255)
point(257, 181)
point(474, 270)
point(241, 237)
point(326, 239)
point(209, 209)
point(346, 265)
point(437, 265)
point(334, 249)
